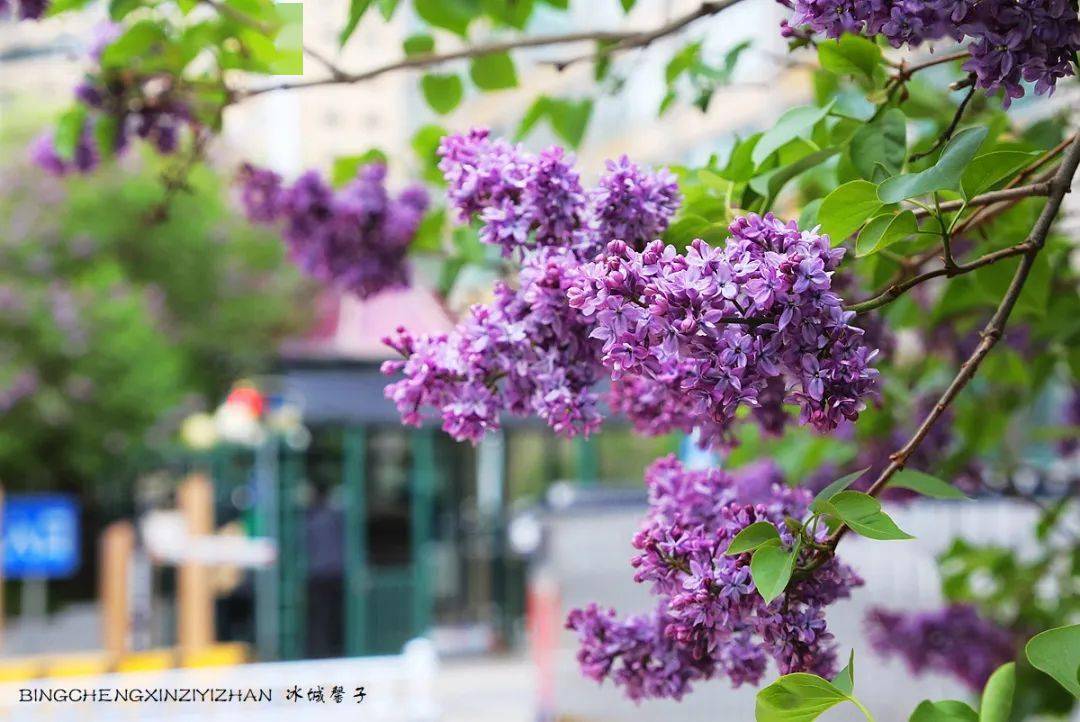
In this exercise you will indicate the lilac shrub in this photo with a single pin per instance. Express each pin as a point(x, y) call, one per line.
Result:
point(355, 238)
point(1011, 41)
point(731, 325)
point(710, 620)
point(955, 640)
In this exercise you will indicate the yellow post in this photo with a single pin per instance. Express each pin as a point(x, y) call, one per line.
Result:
point(116, 553)
point(195, 618)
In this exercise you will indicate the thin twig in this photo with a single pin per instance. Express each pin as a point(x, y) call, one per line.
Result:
point(994, 328)
point(618, 41)
point(946, 136)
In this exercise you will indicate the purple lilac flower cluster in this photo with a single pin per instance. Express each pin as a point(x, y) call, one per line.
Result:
point(1012, 41)
point(723, 327)
point(527, 351)
point(955, 640)
point(710, 620)
point(355, 238)
point(149, 109)
point(525, 201)
point(24, 9)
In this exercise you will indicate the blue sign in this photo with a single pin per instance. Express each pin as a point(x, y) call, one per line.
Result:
point(41, 536)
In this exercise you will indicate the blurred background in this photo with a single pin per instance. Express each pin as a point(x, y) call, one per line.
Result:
point(203, 483)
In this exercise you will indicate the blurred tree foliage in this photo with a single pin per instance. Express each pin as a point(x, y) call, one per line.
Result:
point(114, 324)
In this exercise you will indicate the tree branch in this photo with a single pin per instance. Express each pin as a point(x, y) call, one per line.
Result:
point(948, 134)
point(992, 332)
point(618, 41)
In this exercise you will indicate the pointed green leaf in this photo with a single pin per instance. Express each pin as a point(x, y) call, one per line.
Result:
point(946, 711)
point(885, 230)
point(798, 697)
point(752, 537)
point(845, 681)
point(997, 696)
point(770, 568)
point(840, 484)
point(847, 208)
point(795, 123)
point(925, 484)
point(987, 170)
point(357, 8)
point(943, 175)
point(850, 55)
point(863, 514)
point(1057, 652)
point(881, 144)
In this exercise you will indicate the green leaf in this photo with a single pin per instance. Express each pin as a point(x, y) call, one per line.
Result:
point(925, 484)
point(946, 711)
point(850, 55)
point(798, 697)
point(1057, 652)
point(514, 13)
point(452, 15)
point(106, 134)
point(627, 5)
point(771, 183)
point(69, 130)
point(770, 568)
point(567, 118)
point(137, 41)
point(119, 9)
point(347, 166)
point(288, 57)
point(425, 142)
point(357, 8)
point(793, 124)
point(752, 537)
point(845, 680)
point(443, 92)
point(943, 175)
point(740, 166)
point(840, 484)
point(418, 44)
point(863, 514)
point(681, 61)
point(882, 142)
point(885, 230)
point(997, 695)
point(989, 169)
point(493, 72)
point(387, 8)
point(845, 209)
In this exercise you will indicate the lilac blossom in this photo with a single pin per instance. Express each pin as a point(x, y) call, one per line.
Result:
point(151, 110)
point(44, 154)
point(710, 621)
point(954, 640)
point(1011, 41)
point(525, 201)
point(732, 324)
point(526, 352)
point(24, 9)
point(355, 238)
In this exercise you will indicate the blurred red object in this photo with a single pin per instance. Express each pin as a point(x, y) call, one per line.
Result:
point(249, 397)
